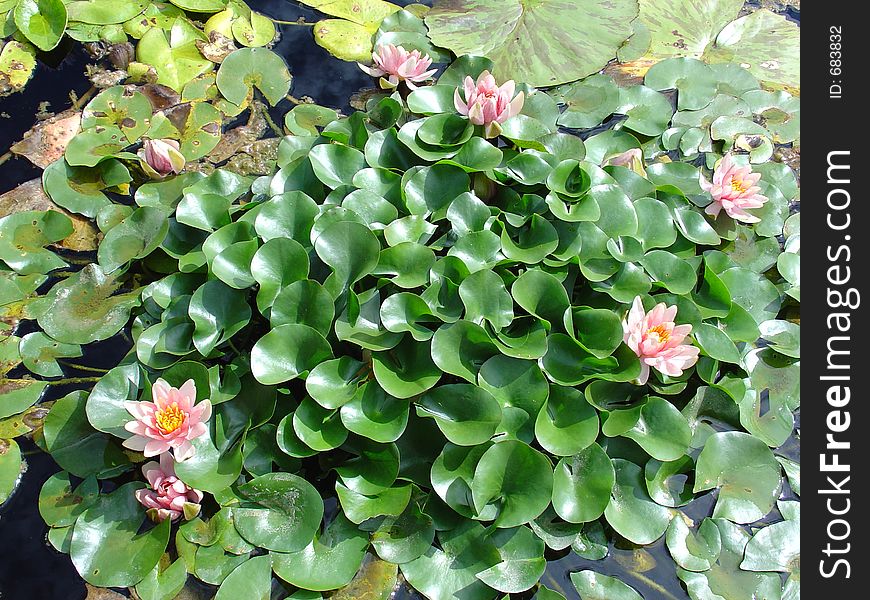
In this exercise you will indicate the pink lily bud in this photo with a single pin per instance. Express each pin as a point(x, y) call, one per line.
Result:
point(160, 158)
point(630, 159)
point(487, 103)
point(169, 497)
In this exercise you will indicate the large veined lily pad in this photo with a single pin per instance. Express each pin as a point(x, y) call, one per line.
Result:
point(542, 43)
point(106, 547)
point(765, 43)
point(685, 27)
point(746, 473)
point(84, 307)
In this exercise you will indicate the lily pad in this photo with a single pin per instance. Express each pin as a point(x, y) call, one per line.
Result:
point(107, 549)
point(84, 307)
point(543, 43)
point(748, 486)
point(328, 562)
point(248, 68)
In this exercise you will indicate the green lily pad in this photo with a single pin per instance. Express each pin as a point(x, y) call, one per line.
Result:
point(725, 578)
point(248, 68)
point(84, 308)
point(582, 485)
point(403, 538)
point(748, 488)
point(328, 562)
point(631, 512)
point(41, 21)
point(450, 571)
point(542, 44)
point(694, 551)
point(466, 414)
point(518, 477)
point(39, 353)
point(288, 351)
point(128, 110)
point(104, 12)
point(286, 515)
point(17, 63)
point(25, 235)
point(597, 586)
point(763, 42)
point(106, 549)
point(566, 424)
point(174, 54)
point(10, 468)
point(251, 579)
point(522, 561)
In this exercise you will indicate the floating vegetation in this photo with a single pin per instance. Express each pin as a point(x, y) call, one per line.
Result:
point(430, 341)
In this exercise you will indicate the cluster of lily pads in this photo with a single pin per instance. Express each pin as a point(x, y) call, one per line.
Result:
point(444, 337)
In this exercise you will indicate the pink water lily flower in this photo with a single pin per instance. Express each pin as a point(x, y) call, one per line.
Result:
point(488, 104)
point(398, 65)
point(657, 340)
point(169, 497)
point(170, 422)
point(160, 158)
point(734, 189)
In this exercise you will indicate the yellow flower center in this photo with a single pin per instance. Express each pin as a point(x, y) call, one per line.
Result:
point(661, 332)
point(737, 186)
point(169, 419)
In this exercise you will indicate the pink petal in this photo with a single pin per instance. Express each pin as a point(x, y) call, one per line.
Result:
point(136, 443)
point(155, 447)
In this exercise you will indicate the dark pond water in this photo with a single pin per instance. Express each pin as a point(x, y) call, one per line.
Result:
point(30, 569)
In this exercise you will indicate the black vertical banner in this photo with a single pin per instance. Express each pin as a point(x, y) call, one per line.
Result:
point(835, 267)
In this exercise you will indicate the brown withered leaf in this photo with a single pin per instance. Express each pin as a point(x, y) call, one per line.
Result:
point(47, 140)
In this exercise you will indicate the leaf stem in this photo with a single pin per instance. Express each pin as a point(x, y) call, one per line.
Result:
point(82, 367)
point(74, 380)
point(301, 22)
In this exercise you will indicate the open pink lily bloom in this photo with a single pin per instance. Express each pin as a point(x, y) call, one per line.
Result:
point(169, 497)
point(734, 189)
point(657, 340)
point(394, 64)
point(170, 422)
point(160, 158)
point(487, 103)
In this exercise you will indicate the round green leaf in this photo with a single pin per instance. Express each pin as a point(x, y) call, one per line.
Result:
point(247, 68)
point(466, 414)
point(518, 477)
point(107, 549)
point(631, 512)
point(567, 423)
point(286, 514)
point(746, 473)
point(582, 484)
point(288, 351)
point(328, 562)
